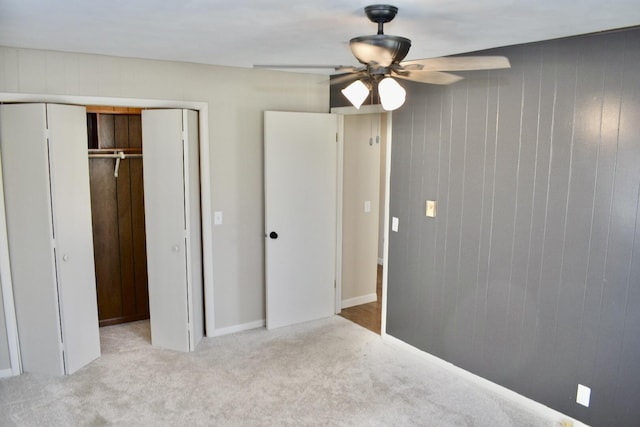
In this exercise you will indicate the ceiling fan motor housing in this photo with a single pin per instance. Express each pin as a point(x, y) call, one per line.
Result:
point(397, 46)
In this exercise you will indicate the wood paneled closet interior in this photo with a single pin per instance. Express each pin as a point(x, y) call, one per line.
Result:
point(117, 211)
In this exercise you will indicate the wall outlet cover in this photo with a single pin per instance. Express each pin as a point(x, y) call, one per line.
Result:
point(584, 395)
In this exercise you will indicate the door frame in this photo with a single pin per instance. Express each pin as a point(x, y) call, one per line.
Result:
point(344, 111)
point(205, 192)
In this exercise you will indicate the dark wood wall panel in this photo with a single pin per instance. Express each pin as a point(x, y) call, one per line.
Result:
point(106, 249)
point(139, 249)
point(126, 231)
point(530, 274)
point(118, 218)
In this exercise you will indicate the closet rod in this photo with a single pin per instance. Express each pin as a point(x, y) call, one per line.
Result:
point(118, 155)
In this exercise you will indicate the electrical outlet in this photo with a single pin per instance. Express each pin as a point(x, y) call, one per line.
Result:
point(583, 396)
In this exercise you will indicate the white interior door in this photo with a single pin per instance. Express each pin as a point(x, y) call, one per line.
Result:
point(169, 211)
point(300, 164)
point(73, 234)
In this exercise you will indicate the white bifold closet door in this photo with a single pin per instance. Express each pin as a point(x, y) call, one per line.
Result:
point(47, 203)
point(172, 216)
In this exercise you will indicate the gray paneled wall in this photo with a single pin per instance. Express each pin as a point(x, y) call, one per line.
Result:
point(530, 274)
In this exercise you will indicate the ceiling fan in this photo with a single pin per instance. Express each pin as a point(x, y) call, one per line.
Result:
point(381, 57)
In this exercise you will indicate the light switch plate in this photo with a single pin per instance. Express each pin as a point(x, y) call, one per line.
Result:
point(430, 210)
point(217, 217)
point(367, 206)
point(394, 224)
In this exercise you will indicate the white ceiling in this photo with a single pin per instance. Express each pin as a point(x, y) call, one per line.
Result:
point(246, 32)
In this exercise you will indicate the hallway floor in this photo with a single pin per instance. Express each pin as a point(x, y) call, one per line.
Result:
point(367, 315)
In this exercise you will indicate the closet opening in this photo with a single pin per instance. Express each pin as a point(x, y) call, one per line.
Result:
point(118, 217)
point(64, 291)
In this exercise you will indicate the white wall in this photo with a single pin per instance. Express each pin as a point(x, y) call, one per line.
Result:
point(236, 98)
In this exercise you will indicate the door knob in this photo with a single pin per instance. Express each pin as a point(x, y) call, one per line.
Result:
point(273, 235)
point(175, 248)
point(65, 257)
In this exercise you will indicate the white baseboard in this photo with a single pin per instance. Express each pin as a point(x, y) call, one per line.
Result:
point(238, 328)
point(511, 395)
point(6, 373)
point(364, 299)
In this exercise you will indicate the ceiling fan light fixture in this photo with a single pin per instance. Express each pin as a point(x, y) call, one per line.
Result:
point(392, 95)
point(356, 93)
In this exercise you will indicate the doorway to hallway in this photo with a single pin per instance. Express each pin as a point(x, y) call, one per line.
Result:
point(368, 315)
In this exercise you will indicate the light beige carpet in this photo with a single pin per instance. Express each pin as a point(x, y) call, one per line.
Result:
point(324, 373)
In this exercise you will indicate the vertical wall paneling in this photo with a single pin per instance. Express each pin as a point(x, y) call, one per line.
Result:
point(105, 224)
point(118, 222)
point(402, 126)
point(530, 274)
point(124, 219)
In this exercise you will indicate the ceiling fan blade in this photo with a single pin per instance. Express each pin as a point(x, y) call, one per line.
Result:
point(350, 69)
point(300, 67)
point(343, 78)
point(460, 63)
point(368, 53)
point(433, 77)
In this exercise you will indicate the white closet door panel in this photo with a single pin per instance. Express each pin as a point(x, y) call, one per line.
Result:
point(8, 311)
point(165, 227)
point(23, 145)
point(194, 248)
point(73, 234)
